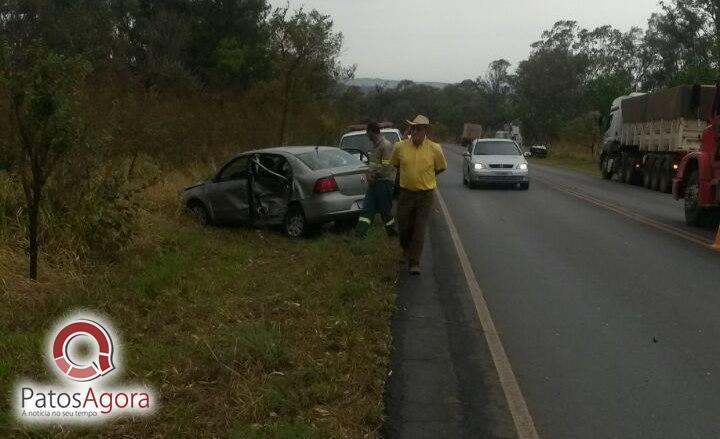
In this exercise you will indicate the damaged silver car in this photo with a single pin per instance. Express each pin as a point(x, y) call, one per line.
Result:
point(298, 188)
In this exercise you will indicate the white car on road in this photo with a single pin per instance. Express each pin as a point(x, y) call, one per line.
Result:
point(495, 161)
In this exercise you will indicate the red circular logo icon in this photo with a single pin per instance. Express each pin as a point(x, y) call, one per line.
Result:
point(102, 365)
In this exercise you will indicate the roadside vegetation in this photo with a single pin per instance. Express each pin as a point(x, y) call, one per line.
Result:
point(108, 110)
point(242, 332)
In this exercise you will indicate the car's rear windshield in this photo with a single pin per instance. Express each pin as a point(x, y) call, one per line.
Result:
point(496, 148)
point(362, 142)
point(327, 159)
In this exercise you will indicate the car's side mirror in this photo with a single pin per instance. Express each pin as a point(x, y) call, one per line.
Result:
point(466, 154)
point(527, 154)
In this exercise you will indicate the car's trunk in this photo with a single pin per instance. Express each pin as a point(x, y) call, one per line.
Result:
point(351, 180)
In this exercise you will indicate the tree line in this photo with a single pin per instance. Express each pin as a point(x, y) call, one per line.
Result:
point(570, 78)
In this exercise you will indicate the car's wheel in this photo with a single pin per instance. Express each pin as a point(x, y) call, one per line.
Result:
point(525, 186)
point(199, 212)
point(295, 225)
point(666, 176)
point(647, 172)
point(346, 224)
point(693, 212)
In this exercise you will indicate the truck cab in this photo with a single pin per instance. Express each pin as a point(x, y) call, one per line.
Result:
point(697, 181)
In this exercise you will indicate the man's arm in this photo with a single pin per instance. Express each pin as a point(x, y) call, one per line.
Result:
point(440, 162)
point(395, 156)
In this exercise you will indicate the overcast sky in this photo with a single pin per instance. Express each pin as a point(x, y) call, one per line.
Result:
point(452, 40)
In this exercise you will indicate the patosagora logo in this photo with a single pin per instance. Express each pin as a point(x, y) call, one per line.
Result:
point(83, 353)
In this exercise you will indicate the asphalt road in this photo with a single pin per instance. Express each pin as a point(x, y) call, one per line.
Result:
point(607, 305)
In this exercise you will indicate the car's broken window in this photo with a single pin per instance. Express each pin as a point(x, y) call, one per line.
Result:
point(236, 170)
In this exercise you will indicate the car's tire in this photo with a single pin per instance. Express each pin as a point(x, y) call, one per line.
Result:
point(199, 212)
point(666, 176)
point(295, 225)
point(347, 224)
point(655, 174)
point(694, 214)
point(525, 186)
point(647, 172)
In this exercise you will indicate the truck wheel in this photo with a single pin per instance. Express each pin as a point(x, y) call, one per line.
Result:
point(627, 169)
point(693, 212)
point(647, 171)
point(666, 176)
point(655, 174)
point(605, 170)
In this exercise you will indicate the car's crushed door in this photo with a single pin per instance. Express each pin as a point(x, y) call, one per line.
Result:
point(271, 188)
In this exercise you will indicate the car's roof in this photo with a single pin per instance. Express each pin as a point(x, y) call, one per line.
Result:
point(294, 150)
point(383, 130)
point(495, 140)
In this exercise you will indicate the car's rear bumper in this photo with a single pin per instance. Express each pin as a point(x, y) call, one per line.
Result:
point(332, 207)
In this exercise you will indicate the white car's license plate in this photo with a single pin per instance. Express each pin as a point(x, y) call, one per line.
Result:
point(503, 174)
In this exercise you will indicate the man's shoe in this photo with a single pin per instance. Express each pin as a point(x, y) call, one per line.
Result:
point(415, 270)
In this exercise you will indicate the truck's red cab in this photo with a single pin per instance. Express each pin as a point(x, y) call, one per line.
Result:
point(698, 177)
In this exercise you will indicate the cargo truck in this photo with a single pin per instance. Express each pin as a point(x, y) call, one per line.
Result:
point(648, 134)
point(471, 131)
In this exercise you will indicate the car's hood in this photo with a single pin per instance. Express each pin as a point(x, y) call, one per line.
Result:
point(198, 184)
point(499, 159)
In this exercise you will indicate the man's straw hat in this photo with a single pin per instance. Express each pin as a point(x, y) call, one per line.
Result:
point(419, 120)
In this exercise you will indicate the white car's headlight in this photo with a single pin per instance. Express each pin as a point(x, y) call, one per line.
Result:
point(479, 166)
point(522, 166)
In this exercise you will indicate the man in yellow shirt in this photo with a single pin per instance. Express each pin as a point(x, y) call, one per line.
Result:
point(419, 160)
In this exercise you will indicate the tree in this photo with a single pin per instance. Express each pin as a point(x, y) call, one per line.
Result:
point(43, 88)
point(682, 44)
point(303, 47)
point(495, 88)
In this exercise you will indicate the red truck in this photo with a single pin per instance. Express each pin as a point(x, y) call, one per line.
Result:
point(697, 180)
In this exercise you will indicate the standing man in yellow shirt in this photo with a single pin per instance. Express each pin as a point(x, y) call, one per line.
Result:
point(419, 160)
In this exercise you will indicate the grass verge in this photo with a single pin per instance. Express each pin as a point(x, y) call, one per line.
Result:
point(583, 164)
point(243, 333)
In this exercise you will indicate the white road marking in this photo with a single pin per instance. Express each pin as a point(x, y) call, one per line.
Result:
point(524, 424)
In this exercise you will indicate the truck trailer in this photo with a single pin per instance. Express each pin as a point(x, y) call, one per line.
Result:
point(471, 131)
point(648, 134)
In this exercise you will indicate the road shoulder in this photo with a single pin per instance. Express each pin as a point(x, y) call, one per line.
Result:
point(443, 381)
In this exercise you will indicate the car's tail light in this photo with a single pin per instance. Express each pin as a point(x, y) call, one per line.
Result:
point(324, 185)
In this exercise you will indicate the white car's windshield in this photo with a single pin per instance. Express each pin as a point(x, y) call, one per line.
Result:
point(496, 148)
point(362, 142)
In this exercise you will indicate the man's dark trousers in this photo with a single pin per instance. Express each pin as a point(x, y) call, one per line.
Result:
point(413, 212)
point(378, 199)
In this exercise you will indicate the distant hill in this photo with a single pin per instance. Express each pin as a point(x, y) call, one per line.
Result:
point(371, 83)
